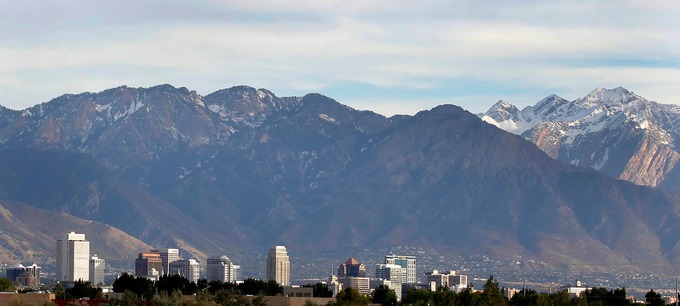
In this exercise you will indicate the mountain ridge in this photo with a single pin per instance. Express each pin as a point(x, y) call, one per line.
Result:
point(244, 169)
point(611, 130)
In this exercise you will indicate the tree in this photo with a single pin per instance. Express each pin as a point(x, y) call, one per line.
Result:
point(129, 298)
point(82, 289)
point(418, 297)
point(351, 297)
point(6, 285)
point(526, 297)
point(384, 296)
point(141, 286)
point(170, 283)
point(491, 294)
point(444, 297)
point(230, 297)
point(253, 286)
point(653, 298)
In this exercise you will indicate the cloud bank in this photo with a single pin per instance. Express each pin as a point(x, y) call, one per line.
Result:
point(387, 56)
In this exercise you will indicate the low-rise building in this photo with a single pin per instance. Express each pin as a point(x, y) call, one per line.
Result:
point(24, 276)
point(362, 284)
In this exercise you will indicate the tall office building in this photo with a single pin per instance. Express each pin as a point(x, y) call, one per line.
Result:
point(167, 256)
point(189, 268)
point(405, 261)
point(278, 265)
point(148, 264)
point(97, 266)
point(222, 269)
point(393, 273)
point(73, 258)
point(352, 268)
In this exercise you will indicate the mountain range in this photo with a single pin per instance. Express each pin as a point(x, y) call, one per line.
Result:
point(611, 130)
point(242, 169)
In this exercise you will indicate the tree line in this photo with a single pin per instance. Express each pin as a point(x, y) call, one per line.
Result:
point(177, 290)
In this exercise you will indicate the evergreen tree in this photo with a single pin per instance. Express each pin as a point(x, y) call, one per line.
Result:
point(384, 296)
point(492, 294)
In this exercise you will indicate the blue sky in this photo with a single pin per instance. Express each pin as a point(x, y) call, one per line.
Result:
point(392, 57)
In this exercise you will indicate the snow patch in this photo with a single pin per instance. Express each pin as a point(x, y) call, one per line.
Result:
point(598, 166)
point(132, 108)
point(327, 118)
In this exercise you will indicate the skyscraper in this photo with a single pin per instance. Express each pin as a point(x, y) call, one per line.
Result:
point(147, 262)
point(167, 256)
point(405, 261)
point(221, 269)
point(97, 266)
point(278, 265)
point(394, 273)
point(189, 268)
point(73, 258)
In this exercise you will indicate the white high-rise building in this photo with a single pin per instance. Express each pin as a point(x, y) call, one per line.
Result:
point(394, 273)
point(73, 258)
point(188, 268)
point(222, 269)
point(167, 256)
point(405, 261)
point(97, 266)
point(278, 265)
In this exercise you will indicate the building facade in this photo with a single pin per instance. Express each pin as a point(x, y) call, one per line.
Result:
point(167, 256)
point(188, 268)
point(449, 279)
point(24, 276)
point(222, 269)
point(362, 284)
point(149, 264)
point(73, 258)
point(405, 261)
point(393, 273)
point(278, 265)
point(97, 266)
point(352, 268)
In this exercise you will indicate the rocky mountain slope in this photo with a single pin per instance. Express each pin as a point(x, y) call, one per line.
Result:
point(28, 235)
point(611, 130)
point(242, 169)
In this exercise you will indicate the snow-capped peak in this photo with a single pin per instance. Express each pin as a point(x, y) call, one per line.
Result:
point(502, 111)
point(618, 95)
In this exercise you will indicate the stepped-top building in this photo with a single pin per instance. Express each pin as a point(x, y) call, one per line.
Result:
point(223, 270)
point(278, 265)
point(188, 268)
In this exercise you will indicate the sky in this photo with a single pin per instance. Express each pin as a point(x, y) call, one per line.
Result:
point(391, 57)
